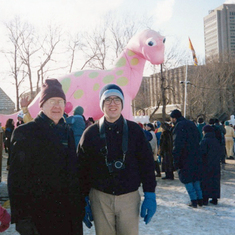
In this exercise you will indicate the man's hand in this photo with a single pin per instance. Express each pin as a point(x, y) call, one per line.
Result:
point(25, 226)
point(149, 206)
point(88, 213)
point(25, 101)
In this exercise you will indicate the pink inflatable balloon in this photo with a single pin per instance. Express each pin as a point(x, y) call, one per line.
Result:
point(68, 107)
point(82, 87)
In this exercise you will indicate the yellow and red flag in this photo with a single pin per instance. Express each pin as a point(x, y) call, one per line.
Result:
point(193, 52)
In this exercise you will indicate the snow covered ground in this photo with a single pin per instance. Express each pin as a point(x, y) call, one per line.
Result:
point(175, 217)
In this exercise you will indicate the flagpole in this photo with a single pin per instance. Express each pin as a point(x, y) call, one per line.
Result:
point(185, 89)
point(186, 82)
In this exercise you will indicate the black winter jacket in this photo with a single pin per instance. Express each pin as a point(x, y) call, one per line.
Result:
point(139, 162)
point(166, 145)
point(186, 153)
point(43, 177)
point(211, 151)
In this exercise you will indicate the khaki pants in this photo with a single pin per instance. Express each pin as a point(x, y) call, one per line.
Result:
point(115, 215)
point(229, 146)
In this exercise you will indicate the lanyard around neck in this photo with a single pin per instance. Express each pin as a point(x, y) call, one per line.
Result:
point(124, 135)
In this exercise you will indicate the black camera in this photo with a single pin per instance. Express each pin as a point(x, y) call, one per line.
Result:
point(115, 166)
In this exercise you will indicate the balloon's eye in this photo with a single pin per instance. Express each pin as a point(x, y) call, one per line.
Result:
point(151, 42)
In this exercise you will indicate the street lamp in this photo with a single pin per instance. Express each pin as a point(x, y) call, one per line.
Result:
point(185, 93)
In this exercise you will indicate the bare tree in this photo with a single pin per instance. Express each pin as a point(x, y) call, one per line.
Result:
point(121, 32)
point(49, 43)
point(164, 89)
point(74, 45)
point(30, 54)
point(212, 90)
point(142, 100)
point(100, 47)
point(26, 51)
point(15, 32)
point(95, 48)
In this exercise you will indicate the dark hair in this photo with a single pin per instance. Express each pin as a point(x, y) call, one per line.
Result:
point(212, 121)
point(165, 126)
point(200, 120)
point(91, 119)
point(208, 128)
point(150, 125)
point(176, 114)
point(9, 123)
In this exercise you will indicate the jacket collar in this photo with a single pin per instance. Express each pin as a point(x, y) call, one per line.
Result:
point(116, 125)
point(180, 119)
point(43, 118)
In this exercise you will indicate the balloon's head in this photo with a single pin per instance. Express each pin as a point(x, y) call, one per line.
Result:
point(150, 45)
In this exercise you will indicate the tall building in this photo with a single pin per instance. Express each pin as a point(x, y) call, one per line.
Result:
point(219, 33)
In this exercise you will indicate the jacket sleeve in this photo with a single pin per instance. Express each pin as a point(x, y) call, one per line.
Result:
point(162, 144)
point(27, 116)
point(18, 178)
point(179, 141)
point(84, 151)
point(204, 151)
point(146, 164)
point(77, 202)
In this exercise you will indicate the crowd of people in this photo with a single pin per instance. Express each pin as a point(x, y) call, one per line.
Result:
point(196, 151)
point(66, 170)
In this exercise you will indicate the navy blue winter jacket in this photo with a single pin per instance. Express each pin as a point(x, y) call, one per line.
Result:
point(186, 153)
point(139, 162)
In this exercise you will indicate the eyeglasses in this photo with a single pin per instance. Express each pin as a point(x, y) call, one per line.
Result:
point(52, 103)
point(115, 100)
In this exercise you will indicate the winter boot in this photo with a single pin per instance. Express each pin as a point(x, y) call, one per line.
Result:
point(157, 169)
point(200, 202)
point(205, 201)
point(193, 203)
point(171, 175)
point(214, 201)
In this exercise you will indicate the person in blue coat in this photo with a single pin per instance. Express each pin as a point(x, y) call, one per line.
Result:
point(77, 123)
point(200, 125)
point(210, 149)
point(186, 156)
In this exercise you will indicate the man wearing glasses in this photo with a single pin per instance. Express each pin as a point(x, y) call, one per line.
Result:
point(43, 182)
point(115, 159)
